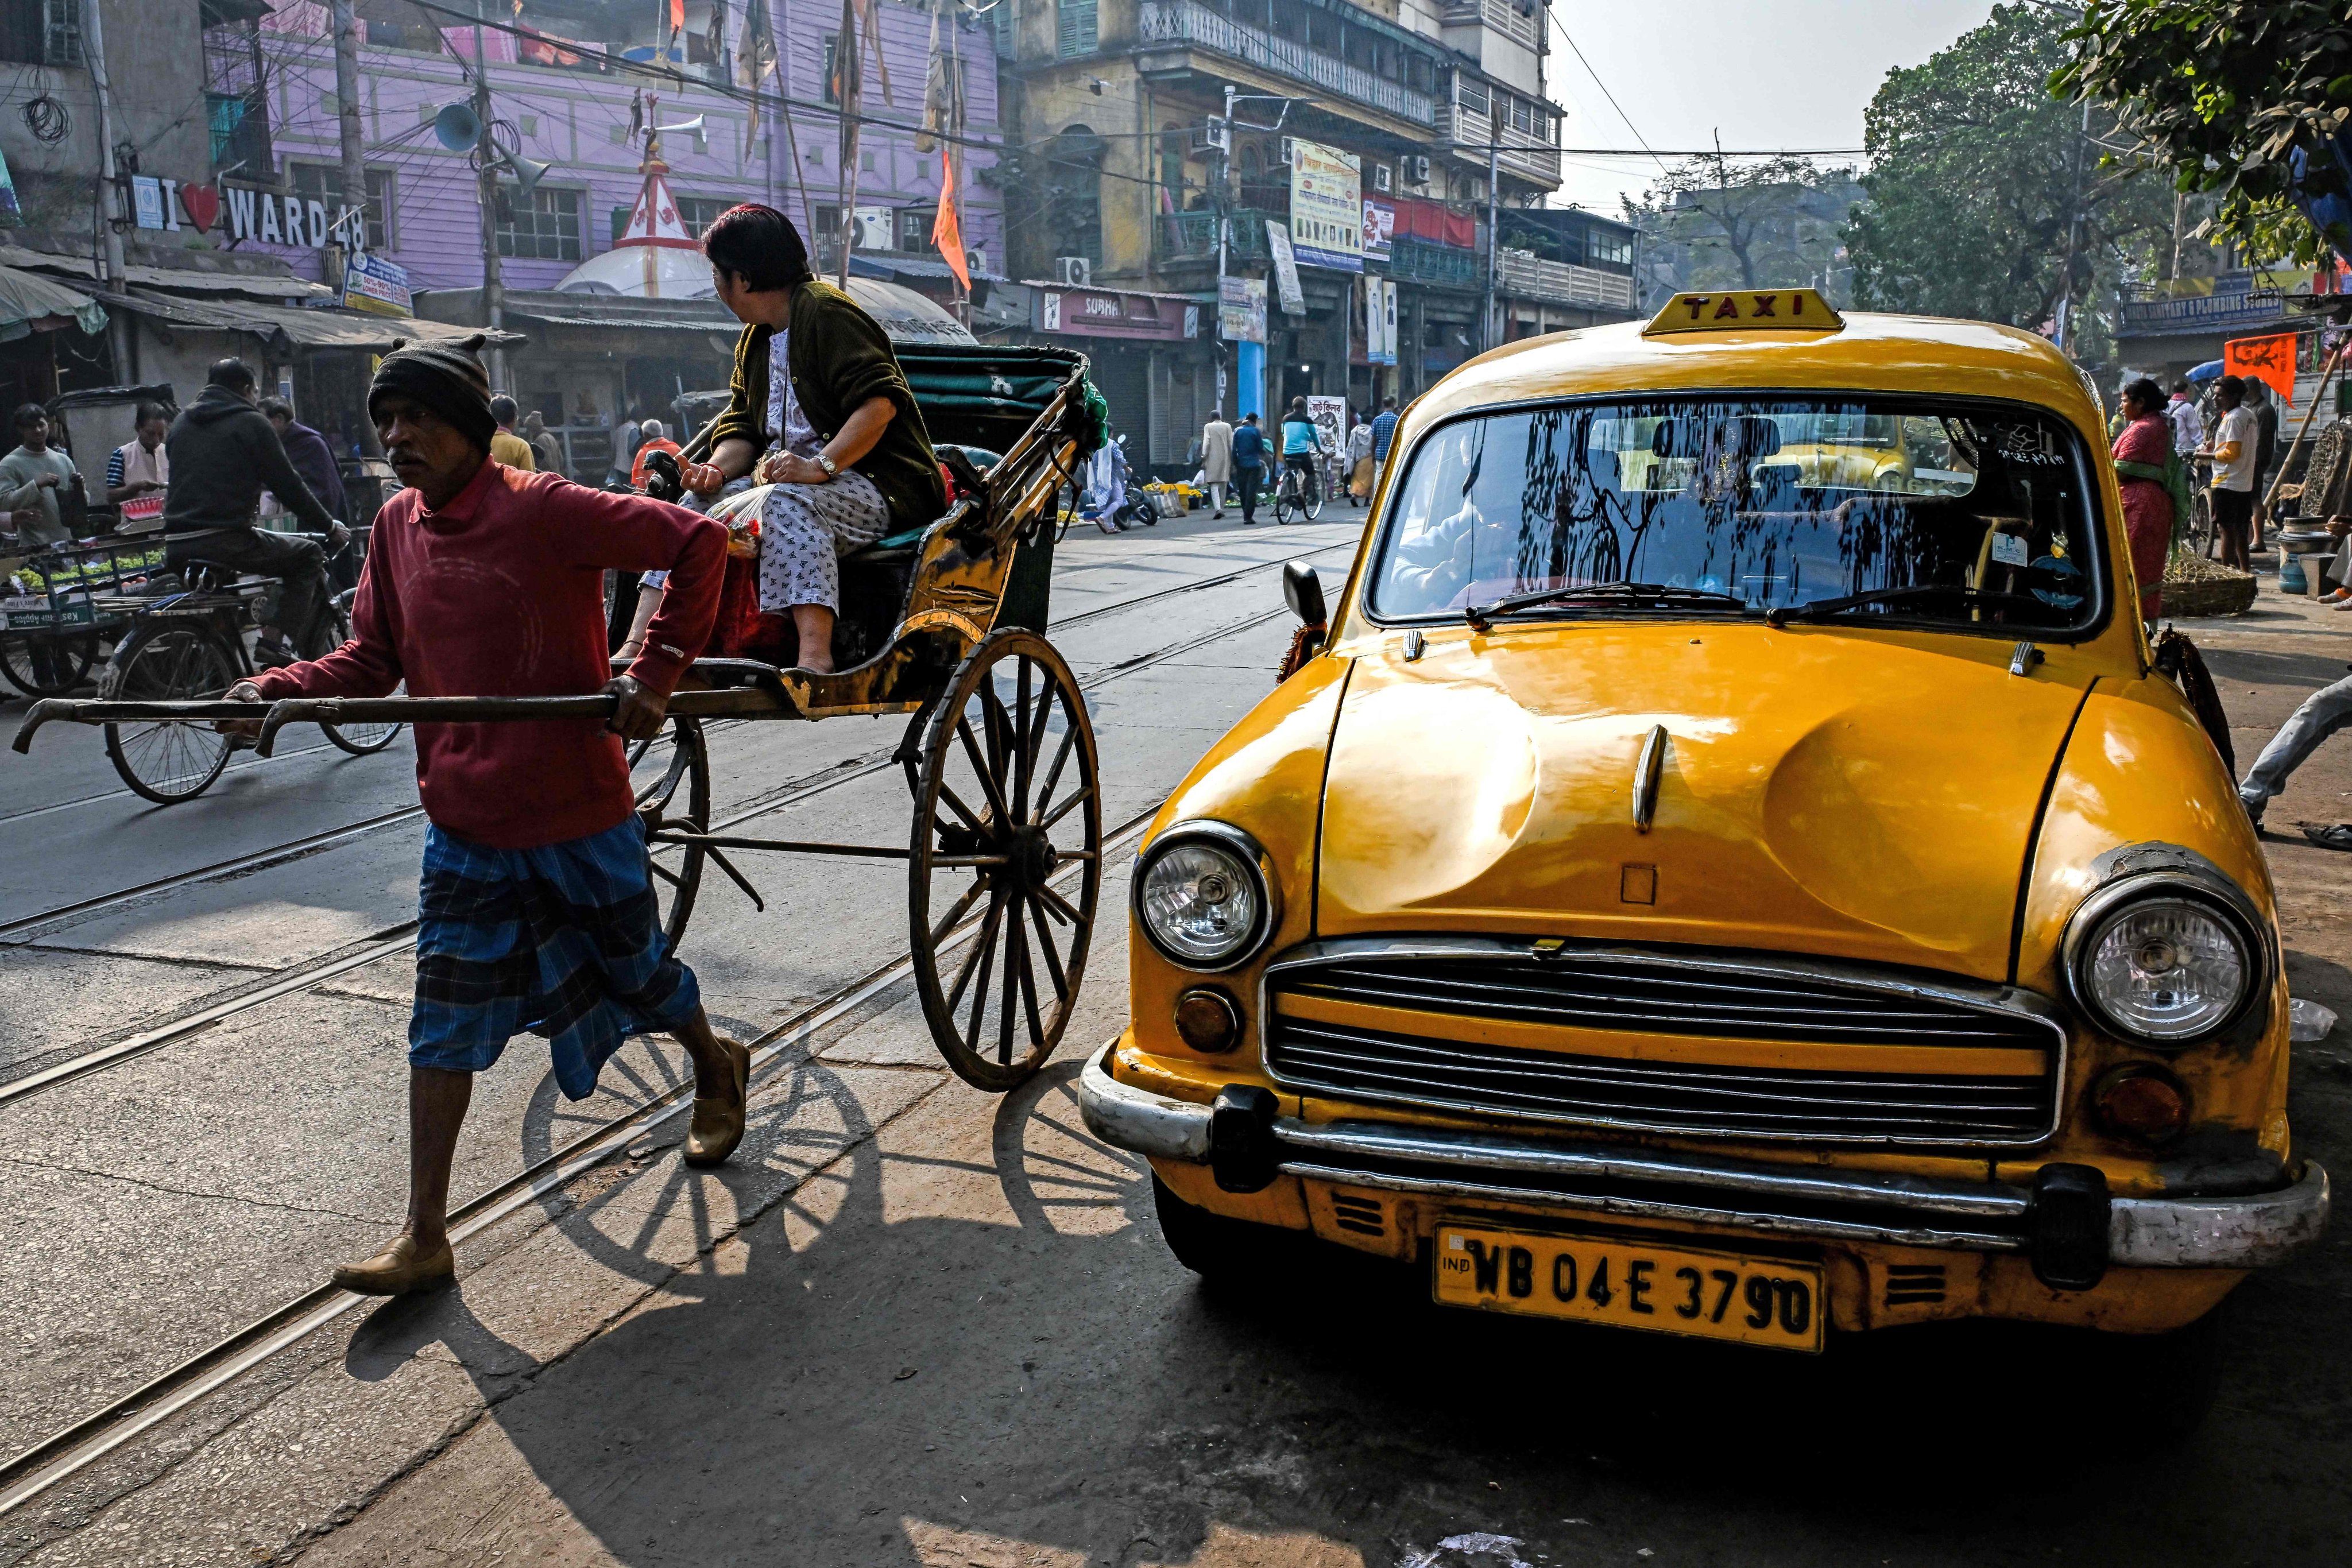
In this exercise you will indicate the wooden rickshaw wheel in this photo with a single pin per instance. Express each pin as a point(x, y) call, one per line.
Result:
point(1006, 864)
point(671, 775)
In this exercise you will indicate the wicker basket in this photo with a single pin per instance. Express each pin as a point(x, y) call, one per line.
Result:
point(2194, 587)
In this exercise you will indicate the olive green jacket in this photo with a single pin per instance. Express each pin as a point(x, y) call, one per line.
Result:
point(839, 358)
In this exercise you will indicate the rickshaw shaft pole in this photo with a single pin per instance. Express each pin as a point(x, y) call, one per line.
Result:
point(799, 847)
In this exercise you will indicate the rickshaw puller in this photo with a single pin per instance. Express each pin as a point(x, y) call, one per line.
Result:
point(535, 907)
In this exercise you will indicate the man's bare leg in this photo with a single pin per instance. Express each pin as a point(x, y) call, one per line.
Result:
point(419, 1257)
point(815, 623)
point(722, 1070)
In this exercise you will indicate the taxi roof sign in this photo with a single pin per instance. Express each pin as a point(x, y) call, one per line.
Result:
point(1746, 310)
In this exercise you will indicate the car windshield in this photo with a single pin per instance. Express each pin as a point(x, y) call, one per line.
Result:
point(1970, 514)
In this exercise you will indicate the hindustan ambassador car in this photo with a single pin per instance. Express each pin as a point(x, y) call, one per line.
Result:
point(1684, 892)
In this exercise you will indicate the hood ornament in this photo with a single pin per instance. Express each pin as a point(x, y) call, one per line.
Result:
point(1649, 770)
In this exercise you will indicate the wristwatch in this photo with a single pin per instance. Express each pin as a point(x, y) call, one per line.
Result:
point(826, 463)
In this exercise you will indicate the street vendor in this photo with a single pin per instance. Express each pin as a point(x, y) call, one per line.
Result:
point(535, 908)
point(820, 410)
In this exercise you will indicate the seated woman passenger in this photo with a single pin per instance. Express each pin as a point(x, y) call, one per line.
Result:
point(820, 412)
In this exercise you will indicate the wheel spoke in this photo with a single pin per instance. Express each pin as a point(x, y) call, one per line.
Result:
point(1055, 903)
point(1029, 989)
point(955, 803)
point(1024, 758)
point(940, 931)
point(1010, 1003)
point(980, 991)
point(1046, 947)
point(985, 945)
point(995, 724)
point(1063, 810)
point(1061, 758)
point(987, 779)
point(664, 872)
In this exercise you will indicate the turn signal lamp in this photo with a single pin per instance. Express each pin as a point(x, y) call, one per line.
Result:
point(2142, 1102)
point(1208, 1021)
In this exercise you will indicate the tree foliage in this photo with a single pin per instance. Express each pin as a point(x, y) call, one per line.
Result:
point(2225, 94)
point(1978, 179)
point(1753, 224)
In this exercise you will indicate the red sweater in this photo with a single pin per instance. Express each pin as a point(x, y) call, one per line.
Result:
point(500, 593)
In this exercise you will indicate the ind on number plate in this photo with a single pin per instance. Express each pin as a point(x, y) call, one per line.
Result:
point(1634, 1285)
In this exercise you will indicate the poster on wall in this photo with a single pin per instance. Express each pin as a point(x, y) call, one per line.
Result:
point(1379, 321)
point(1389, 318)
point(1380, 229)
point(1331, 417)
point(1240, 310)
point(1326, 206)
point(1286, 268)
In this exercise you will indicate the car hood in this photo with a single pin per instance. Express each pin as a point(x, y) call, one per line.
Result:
point(1821, 791)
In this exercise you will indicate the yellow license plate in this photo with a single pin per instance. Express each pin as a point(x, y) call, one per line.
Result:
point(1632, 1285)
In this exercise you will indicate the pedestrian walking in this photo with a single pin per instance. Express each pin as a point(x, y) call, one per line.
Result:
point(1360, 460)
point(2319, 715)
point(139, 467)
point(626, 435)
point(1216, 461)
point(504, 446)
point(536, 909)
point(2232, 453)
point(1249, 465)
point(223, 451)
point(2154, 488)
point(1383, 436)
point(543, 445)
point(652, 438)
point(33, 476)
point(309, 454)
point(2188, 425)
point(2266, 427)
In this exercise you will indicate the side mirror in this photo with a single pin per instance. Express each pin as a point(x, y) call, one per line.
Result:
point(1303, 592)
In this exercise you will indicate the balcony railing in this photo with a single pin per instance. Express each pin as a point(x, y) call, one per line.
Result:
point(1192, 236)
point(1530, 276)
point(1522, 155)
point(1182, 22)
point(1415, 260)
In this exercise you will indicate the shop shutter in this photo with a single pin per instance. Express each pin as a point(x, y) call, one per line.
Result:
point(1122, 373)
point(1183, 388)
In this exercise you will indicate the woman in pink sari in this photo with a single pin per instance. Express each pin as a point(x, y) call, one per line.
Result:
point(2143, 455)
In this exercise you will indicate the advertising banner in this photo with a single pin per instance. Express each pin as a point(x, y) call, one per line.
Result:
point(1331, 417)
point(374, 284)
point(1379, 228)
point(1326, 206)
point(1286, 268)
point(1389, 318)
point(1379, 321)
point(1240, 310)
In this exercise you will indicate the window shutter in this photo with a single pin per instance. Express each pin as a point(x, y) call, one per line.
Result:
point(1078, 25)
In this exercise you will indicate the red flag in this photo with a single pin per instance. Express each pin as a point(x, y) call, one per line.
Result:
point(946, 229)
point(2270, 361)
point(676, 19)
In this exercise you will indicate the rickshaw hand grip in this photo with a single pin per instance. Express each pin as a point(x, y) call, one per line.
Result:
point(39, 714)
point(291, 710)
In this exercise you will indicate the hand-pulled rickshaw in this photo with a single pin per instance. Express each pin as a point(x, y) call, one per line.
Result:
point(945, 624)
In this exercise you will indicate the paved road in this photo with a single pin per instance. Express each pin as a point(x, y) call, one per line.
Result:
point(911, 1324)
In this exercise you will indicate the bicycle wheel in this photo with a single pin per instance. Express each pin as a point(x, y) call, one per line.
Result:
point(45, 664)
point(1312, 501)
point(1285, 497)
point(359, 739)
point(169, 762)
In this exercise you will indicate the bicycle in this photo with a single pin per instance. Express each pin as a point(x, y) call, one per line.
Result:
point(1298, 493)
point(190, 646)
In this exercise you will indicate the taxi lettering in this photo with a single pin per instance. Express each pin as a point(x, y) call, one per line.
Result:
point(1783, 308)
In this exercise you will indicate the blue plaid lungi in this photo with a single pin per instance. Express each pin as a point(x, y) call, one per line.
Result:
point(563, 941)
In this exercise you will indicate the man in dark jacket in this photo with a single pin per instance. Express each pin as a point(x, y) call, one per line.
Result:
point(308, 452)
point(223, 452)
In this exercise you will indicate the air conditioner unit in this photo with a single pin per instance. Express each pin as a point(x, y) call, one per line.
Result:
point(975, 261)
point(1073, 271)
point(1214, 136)
point(1285, 155)
point(1383, 178)
point(1416, 169)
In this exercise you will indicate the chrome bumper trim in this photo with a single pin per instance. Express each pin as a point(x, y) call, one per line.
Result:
point(2245, 1232)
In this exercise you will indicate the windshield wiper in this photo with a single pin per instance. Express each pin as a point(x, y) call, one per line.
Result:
point(1782, 615)
point(1631, 595)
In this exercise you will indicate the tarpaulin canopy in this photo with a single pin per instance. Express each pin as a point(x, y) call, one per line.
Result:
point(30, 303)
point(291, 327)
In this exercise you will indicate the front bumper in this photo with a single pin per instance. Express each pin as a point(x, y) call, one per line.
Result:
point(1622, 1183)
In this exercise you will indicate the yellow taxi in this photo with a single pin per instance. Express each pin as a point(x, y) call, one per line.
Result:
point(1693, 891)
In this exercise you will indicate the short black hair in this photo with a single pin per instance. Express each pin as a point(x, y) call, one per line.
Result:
point(1388, 402)
point(2144, 392)
point(147, 410)
point(2232, 389)
point(277, 408)
point(2181, 385)
point(233, 374)
point(758, 245)
point(503, 409)
point(29, 412)
point(1249, 419)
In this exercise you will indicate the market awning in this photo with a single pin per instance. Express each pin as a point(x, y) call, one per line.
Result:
point(890, 265)
point(219, 277)
point(30, 303)
point(291, 327)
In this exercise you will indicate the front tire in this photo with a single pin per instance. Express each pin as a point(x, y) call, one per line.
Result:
point(1210, 1245)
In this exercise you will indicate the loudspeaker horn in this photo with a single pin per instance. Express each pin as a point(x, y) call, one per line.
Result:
point(685, 127)
point(458, 128)
point(528, 173)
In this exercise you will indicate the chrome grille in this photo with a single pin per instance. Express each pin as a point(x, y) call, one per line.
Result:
point(1633, 992)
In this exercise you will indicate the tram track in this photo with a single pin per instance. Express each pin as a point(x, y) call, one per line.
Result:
point(310, 974)
point(24, 929)
point(46, 1465)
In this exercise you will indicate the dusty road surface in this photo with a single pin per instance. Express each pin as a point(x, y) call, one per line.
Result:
point(911, 1324)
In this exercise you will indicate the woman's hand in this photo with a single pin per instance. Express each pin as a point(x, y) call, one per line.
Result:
point(790, 469)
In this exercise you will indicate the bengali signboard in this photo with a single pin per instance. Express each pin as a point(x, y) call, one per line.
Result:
point(1326, 206)
point(1286, 268)
point(374, 284)
point(1380, 229)
point(1240, 310)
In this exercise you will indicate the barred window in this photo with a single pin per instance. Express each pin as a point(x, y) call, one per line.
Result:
point(543, 227)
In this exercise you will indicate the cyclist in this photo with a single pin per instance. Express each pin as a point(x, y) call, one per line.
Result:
point(223, 452)
point(1302, 449)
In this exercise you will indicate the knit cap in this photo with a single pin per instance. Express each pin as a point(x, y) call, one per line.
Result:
point(446, 377)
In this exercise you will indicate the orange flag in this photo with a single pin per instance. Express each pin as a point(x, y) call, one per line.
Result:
point(2270, 361)
point(946, 229)
point(677, 17)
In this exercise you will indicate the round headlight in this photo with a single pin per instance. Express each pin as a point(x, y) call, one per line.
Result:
point(2165, 970)
point(1200, 897)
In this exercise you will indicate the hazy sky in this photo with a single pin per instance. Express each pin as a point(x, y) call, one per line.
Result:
point(1764, 73)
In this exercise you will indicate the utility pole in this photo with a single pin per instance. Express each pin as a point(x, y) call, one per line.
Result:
point(494, 289)
point(1221, 211)
point(1492, 328)
point(109, 211)
point(347, 123)
point(2074, 221)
